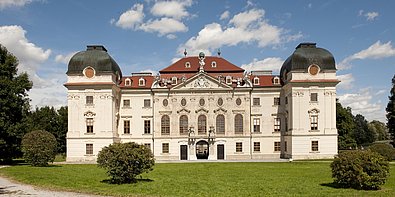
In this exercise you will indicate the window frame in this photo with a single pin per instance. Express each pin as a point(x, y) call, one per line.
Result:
point(89, 100)
point(89, 125)
point(256, 80)
point(202, 124)
point(147, 126)
point(147, 103)
point(126, 126)
point(220, 124)
point(126, 103)
point(256, 125)
point(141, 82)
point(277, 146)
point(314, 146)
point(277, 124)
point(257, 146)
point(183, 125)
point(239, 124)
point(89, 149)
point(256, 101)
point(165, 148)
point(313, 97)
point(239, 147)
point(165, 125)
point(276, 101)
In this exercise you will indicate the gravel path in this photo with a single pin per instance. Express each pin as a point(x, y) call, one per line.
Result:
point(12, 189)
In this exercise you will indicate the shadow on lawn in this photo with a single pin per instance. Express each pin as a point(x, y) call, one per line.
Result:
point(332, 185)
point(109, 181)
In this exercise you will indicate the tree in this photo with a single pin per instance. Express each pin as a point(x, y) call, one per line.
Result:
point(362, 134)
point(124, 161)
point(13, 105)
point(360, 169)
point(391, 112)
point(379, 129)
point(345, 125)
point(51, 120)
point(39, 148)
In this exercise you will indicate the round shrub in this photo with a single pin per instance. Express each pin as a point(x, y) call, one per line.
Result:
point(39, 148)
point(124, 161)
point(385, 150)
point(360, 170)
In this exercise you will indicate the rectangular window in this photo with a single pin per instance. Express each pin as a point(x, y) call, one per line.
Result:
point(256, 102)
point(147, 102)
point(277, 124)
point(126, 103)
point(239, 147)
point(165, 147)
point(257, 146)
point(314, 146)
point(147, 126)
point(89, 100)
point(126, 126)
point(313, 97)
point(276, 100)
point(89, 125)
point(314, 122)
point(147, 145)
point(277, 146)
point(89, 149)
point(257, 126)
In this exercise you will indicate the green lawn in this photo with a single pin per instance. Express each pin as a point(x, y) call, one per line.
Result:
point(199, 179)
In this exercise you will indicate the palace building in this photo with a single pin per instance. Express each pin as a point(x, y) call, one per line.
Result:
point(204, 107)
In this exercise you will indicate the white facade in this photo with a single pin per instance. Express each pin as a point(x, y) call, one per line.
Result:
point(203, 108)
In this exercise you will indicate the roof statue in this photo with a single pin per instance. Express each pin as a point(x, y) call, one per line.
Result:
point(201, 61)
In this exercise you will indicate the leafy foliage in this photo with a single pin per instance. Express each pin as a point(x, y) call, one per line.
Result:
point(362, 133)
point(124, 161)
point(360, 170)
point(379, 129)
point(391, 111)
point(385, 150)
point(39, 148)
point(51, 120)
point(345, 125)
point(13, 105)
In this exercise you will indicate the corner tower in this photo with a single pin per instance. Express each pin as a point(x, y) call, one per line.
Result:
point(93, 103)
point(309, 92)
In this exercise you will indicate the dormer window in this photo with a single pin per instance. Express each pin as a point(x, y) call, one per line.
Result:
point(141, 82)
point(174, 80)
point(187, 64)
point(256, 81)
point(127, 82)
point(214, 64)
point(228, 80)
point(276, 80)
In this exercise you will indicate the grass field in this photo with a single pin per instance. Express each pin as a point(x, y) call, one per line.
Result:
point(199, 179)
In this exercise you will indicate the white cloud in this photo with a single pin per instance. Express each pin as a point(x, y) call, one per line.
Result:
point(164, 26)
point(346, 81)
point(131, 18)
point(363, 102)
point(246, 27)
point(45, 91)
point(171, 36)
point(371, 16)
point(375, 51)
point(310, 5)
point(13, 3)
point(64, 58)
point(271, 63)
point(173, 9)
point(224, 15)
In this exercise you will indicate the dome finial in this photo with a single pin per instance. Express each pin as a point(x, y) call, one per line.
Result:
point(185, 52)
point(219, 52)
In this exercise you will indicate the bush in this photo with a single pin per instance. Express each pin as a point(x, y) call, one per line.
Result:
point(124, 161)
point(39, 148)
point(360, 170)
point(385, 150)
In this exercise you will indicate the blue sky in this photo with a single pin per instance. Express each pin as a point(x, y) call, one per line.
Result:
point(255, 35)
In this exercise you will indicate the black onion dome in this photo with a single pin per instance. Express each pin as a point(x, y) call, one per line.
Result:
point(95, 56)
point(307, 54)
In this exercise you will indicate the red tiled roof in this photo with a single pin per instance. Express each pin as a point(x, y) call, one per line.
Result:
point(264, 80)
point(134, 82)
point(222, 65)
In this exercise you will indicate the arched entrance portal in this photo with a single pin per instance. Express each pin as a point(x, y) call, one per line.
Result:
point(202, 149)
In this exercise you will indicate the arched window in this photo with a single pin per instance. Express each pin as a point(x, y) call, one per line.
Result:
point(314, 119)
point(239, 123)
point(141, 82)
point(276, 80)
point(228, 80)
point(220, 124)
point(127, 82)
point(202, 124)
point(174, 80)
point(183, 125)
point(165, 125)
point(256, 81)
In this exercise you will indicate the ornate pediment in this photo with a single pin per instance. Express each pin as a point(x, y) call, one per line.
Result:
point(201, 109)
point(220, 109)
point(183, 110)
point(201, 81)
point(89, 114)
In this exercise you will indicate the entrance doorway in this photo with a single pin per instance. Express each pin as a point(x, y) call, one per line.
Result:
point(202, 150)
point(220, 151)
point(184, 152)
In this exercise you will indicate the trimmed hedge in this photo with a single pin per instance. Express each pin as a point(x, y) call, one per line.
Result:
point(39, 147)
point(124, 161)
point(385, 150)
point(360, 170)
